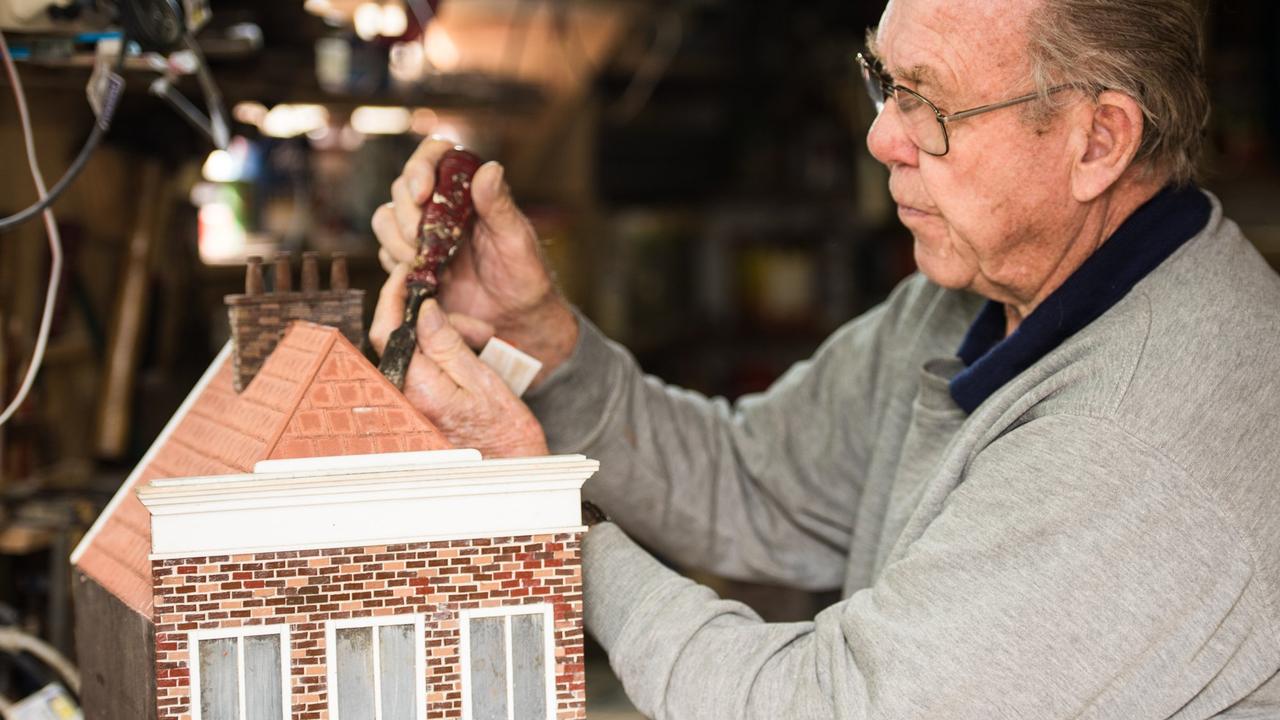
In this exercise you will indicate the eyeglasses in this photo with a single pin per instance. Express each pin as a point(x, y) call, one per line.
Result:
point(925, 124)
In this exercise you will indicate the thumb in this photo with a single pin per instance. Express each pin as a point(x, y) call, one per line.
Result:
point(494, 205)
point(443, 345)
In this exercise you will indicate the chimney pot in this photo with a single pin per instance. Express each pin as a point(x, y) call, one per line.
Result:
point(253, 276)
point(284, 273)
point(310, 272)
point(338, 272)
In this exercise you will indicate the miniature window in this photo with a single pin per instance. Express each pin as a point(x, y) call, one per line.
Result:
point(239, 673)
point(376, 668)
point(508, 666)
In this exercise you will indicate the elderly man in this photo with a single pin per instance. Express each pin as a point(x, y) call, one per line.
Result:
point(1044, 472)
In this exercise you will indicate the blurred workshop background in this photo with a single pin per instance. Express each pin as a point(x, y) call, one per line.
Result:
point(697, 169)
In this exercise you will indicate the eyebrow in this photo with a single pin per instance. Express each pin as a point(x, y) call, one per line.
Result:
point(916, 75)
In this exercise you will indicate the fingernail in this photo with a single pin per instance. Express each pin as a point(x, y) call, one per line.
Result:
point(498, 174)
point(430, 318)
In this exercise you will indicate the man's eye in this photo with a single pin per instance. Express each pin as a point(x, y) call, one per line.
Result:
point(907, 102)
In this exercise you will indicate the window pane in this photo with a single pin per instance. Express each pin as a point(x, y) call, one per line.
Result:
point(529, 666)
point(355, 673)
point(262, 699)
point(397, 672)
point(219, 680)
point(488, 669)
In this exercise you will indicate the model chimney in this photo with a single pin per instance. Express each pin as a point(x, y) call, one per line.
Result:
point(259, 318)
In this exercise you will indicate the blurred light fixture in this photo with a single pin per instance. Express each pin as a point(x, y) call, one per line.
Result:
point(220, 167)
point(225, 166)
point(394, 21)
point(381, 120)
point(286, 121)
point(221, 237)
point(318, 7)
point(424, 121)
point(203, 193)
point(350, 139)
point(441, 50)
point(406, 61)
point(249, 112)
point(368, 20)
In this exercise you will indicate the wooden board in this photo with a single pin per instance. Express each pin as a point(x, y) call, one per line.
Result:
point(115, 649)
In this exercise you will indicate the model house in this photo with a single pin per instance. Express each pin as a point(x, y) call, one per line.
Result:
point(300, 543)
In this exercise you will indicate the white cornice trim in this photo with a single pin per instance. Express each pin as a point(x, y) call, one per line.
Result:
point(127, 486)
point(380, 502)
point(373, 542)
point(388, 461)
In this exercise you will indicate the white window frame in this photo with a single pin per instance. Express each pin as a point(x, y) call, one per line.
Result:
point(506, 611)
point(240, 633)
point(419, 660)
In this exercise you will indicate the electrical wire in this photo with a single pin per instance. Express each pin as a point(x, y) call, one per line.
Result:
point(51, 227)
point(670, 34)
point(15, 640)
point(95, 136)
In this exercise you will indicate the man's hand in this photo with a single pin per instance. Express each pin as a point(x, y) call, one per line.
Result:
point(499, 277)
point(448, 384)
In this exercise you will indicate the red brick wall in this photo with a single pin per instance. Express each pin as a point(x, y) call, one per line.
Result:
point(306, 588)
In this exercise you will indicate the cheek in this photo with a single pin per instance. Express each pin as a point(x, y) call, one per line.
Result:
point(963, 212)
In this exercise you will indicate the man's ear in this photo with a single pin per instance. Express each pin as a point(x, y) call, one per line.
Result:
point(1113, 133)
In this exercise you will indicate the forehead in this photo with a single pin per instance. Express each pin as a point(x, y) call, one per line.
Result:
point(954, 44)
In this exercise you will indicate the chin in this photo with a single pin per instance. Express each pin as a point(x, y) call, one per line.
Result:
point(943, 269)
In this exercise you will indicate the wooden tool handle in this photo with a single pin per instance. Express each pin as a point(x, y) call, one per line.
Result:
point(446, 217)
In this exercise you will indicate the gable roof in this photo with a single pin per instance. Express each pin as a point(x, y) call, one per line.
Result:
point(315, 395)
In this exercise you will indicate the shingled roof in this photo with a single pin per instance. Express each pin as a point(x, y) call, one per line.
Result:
point(316, 395)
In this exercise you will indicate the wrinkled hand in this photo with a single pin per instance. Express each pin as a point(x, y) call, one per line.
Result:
point(448, 384)
point(499, 276)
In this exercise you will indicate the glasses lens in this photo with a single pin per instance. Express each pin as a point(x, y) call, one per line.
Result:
point(921, 121)
point(875, 88)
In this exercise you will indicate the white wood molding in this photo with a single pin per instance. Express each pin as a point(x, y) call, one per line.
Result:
point(383, 502)
point(389, 461)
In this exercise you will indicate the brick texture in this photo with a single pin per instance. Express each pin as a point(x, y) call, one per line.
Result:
point(259, 321)
point(306, 588)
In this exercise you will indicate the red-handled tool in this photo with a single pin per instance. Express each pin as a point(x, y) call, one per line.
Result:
point(446, 223)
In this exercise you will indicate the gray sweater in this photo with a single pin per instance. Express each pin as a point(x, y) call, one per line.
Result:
point(1099, 539)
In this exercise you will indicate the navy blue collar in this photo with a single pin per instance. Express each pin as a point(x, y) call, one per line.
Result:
point(1141, 243)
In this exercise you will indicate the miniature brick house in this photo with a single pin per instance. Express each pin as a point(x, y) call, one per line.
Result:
point(402, 586)
point(290, 547)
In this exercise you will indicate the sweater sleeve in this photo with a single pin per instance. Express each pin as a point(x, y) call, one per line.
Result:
point(1072, 574)
point(762, 490)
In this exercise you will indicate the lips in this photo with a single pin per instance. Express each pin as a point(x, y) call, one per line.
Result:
point(903, 202)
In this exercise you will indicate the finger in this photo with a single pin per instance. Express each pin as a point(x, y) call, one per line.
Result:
point(420, 170)
point(388, 234)
point(475, 332)
point(494, 205)
point(385, 259)
point(440, 342)
point(408, 213)
point(428, 387)
point(389, 312)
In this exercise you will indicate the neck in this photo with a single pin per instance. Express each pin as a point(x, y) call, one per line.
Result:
point(1097, 224)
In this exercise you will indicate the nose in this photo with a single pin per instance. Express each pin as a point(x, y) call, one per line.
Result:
point(887, 139)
